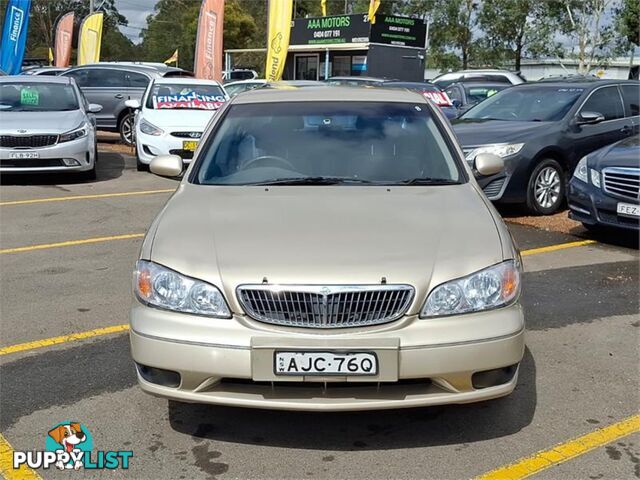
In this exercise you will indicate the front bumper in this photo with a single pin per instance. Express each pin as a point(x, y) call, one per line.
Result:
point(592, 206)
point(422, 362)
point(54, 158)
point(150, 146)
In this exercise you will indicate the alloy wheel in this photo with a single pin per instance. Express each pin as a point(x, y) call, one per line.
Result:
point(547, 187)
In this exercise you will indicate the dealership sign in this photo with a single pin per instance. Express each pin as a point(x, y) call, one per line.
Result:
point(403, 31)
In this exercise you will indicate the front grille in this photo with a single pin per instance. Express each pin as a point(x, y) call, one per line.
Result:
point(192, 135)
point(494, 188)
point(32, 141)
point(183, 154)
point(312, 306)
point(31, 162)
point(623, 182)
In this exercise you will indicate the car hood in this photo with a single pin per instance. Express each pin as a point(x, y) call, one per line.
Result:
point(420, 236)
point(179, 119)
point(473, 132)
point(624, 153)
point(40, 122)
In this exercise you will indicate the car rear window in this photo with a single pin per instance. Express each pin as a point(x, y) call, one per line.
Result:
point(370, 142)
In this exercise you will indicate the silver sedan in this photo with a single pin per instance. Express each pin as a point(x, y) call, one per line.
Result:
point(46, 125)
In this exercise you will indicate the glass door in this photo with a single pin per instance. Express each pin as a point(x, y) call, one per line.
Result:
point(306, 67)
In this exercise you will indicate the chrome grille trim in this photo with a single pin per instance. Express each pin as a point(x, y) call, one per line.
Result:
point(325, 306)
point(622, 182)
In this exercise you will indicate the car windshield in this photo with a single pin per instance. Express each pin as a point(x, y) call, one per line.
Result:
point(37, 97)
point(185, 96)
point(526, 104)
point(327, 143)
point(477, 93)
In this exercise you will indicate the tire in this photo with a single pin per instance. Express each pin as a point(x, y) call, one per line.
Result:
point(91, 174)
point(546, 190)
point(125, 128)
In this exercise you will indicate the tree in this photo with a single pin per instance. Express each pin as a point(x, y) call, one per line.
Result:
point(453, 24)
point(513, 26)
point(583, 22)
point(628, 21)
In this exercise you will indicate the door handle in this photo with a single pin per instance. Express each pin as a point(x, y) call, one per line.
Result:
point(626, 129)
point(119, 96)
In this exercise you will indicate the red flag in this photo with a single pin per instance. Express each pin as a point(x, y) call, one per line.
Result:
point(64, 35)
point(208, 58)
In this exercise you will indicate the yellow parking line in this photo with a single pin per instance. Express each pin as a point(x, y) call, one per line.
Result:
point(565, 451)
point(84, 197)
point(559, 246)
point(71, 243)
point(6, 464)
point(47, 342)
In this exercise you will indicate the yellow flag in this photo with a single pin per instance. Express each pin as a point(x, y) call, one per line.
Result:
point(278, 37)
point(323, 5)
point(373, 8)
point(173, 58)
point(50, 56)
point(90, 39)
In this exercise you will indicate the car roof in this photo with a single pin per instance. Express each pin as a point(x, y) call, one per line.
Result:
point(184, 81)
point(35, 79)
point(241, 82)
point(364, 79)
point(130, 67)
point(412, 84)
point(577, 82)
point(482, 84)
point(328, 93)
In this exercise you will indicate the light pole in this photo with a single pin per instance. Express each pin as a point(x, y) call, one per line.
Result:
point(90, 7)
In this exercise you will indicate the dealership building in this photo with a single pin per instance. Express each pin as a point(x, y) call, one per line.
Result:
point(349, 45)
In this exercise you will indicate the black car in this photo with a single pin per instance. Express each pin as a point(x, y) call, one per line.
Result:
point(466, 95)
point(541, 130)
point(605, 188)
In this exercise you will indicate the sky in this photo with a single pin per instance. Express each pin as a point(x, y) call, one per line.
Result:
point(136, 12)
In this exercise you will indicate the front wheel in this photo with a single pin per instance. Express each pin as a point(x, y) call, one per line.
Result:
point(546, 189)
point(126, 128)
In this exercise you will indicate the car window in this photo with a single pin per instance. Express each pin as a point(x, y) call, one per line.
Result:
point(137, 80)
point(606, 101)
point(454, 93)
point(631, 98)
point(81, 77)
point(477, 93)
point(37, 97)
point(358, 141)
point(106, 78)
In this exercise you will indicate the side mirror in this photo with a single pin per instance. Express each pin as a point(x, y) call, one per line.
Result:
point(166, 166)
point(589, 118)
point(94, 108)
point(489, 164)
point(134, 104)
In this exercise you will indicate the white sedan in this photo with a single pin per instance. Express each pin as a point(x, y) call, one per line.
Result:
point(172, 116)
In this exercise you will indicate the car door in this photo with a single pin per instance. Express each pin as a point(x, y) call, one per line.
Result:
point(137, 83)
point(631, 99)
point(607, 101)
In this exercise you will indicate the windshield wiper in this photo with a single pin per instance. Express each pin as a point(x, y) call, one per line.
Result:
point(312, 181)
point(428, 181)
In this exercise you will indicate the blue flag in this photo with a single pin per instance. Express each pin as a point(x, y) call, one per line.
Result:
point(14, 36)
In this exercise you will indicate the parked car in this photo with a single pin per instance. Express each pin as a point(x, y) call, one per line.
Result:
point(605, 188)
point(479, 75)
point(238, 74)
point(542, 130)
point(430, 91)
point(466, 95)
point(47, 71)
point(316, 256)
point(358, 81)
point(234, 88)
point(111, 84)
point(172, 116)
point(46, 125)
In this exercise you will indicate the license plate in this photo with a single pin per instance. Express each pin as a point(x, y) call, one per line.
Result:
point(629, 209)
point(325, 363)
point(189, 145)
point(24, 155)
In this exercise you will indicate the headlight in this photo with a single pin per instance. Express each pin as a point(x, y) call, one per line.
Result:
point(581, 170)
point(150, 128)
point(490, 288)
point(500, 149)
point(163, 288)
point(74, 134)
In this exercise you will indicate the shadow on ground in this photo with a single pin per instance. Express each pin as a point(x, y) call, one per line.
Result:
point(376, 430)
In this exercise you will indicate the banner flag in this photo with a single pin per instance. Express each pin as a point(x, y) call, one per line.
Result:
point(14, 36)
point(64, 35)
point(374, 5)
point(90, 39)
point(323, 6)
point(208, 58)
point(278, 37)
point(173, 58)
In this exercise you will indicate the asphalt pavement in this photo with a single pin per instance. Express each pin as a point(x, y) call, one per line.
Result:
point(67, 253)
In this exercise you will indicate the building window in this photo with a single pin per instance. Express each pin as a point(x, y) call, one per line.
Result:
point(341, 66)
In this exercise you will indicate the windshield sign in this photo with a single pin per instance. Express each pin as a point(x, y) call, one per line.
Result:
point(441, 99)
point(37, 97)
point(169, 97)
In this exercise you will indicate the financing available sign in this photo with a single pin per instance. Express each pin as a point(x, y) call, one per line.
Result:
point(189, 100)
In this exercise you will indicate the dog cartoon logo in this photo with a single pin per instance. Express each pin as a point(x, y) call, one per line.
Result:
point(73, 439)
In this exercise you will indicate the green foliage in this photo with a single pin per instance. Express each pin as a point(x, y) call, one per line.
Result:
point(628, 21)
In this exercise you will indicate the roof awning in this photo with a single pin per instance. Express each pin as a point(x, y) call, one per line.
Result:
point(308, 48)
